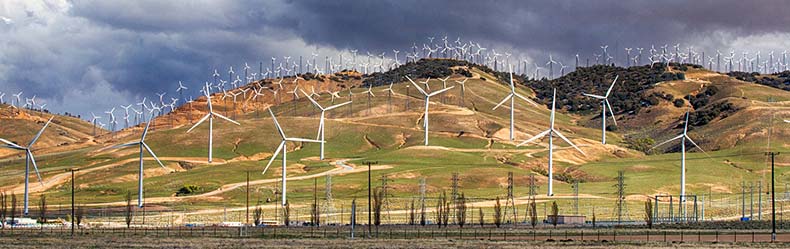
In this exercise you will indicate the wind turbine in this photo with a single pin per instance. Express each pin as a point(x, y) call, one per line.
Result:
point(604, 105)
point(210, 116)
point(551, 132)
point(370, 94)
point(427, 103)
point(463, 89)
point(682, 138)
point(321, 126)
point(512, 97)
point(389, 97)
point(93, 120)
point(28, 159)
point(283, 148)
point(181, 89)
point(143, 146)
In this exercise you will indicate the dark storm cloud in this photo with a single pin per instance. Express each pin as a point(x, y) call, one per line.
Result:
point(117, 51)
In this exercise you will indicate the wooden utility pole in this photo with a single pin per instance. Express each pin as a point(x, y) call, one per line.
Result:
point(72, 198)
point(773, 197)
point(370, 216)
point(248, 197)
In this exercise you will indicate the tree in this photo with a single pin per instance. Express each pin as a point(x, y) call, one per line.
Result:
point(555, 212)
point(460, 210)
point(439, 210)
point(533, 213)
point(593, 217)
point(378, 201)
point(43, 210)
point(446, 213)
point(3, 206)
point(649, 213)
point(257, 214)
point(411, 213)
point(497, 213)
point(13, 208)
point(128, 214)
point(80, 215)
point(481, 217)
point(287, 213)
point(422, 214)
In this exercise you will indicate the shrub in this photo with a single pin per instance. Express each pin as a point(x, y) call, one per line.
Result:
point(679, 103)
point(188, 189)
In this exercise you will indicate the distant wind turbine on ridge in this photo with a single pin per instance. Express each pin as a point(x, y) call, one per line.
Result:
point(427, 103)
point(143, 147)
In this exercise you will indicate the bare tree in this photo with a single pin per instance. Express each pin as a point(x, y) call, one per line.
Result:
point(555, 212)
point(593, 217)
point(481, 218)
point(378, 202)
point(497, 213)
point(422, 214)
point(13, 209)
point(80, 215)
point(533, 213)
point(257, 214)
point(411, 213)
point(439, 209)
point(3, 207)
point(128, 214)
point(649, 213)
point(460, 210)
point(287, 213)
point(43, 210)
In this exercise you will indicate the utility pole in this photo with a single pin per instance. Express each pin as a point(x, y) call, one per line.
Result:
point(773, 197)
point(248, 197)
point(72, 198)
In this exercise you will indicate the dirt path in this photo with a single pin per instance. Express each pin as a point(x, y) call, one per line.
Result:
point(340, 168)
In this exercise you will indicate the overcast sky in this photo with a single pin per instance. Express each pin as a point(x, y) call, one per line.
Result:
point(87, 56)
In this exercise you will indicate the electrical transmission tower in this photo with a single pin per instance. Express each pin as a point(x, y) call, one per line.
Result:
point(510, 204)
point(385, 203)
point(329, 207)
point(621, 209)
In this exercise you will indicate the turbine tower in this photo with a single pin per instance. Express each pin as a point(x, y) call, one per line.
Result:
point(28, 159)
point(427, 103)
point(143, 147)
point(512, 97)
point(604, 105)
point(551, 132)
point(321, 126)
point(283, 148)
point(210, 116)
point(683, 137)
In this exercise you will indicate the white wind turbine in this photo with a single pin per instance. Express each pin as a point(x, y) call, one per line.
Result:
point(605, 105)
point(683, 137)
point(427, 103)
point(283, 147)
point(463, 89)
point(210, 116)
point(551, 132)
point(143, 147)
point(512, 97)
point(321, 124)
point(370, 94)
point(28, 159)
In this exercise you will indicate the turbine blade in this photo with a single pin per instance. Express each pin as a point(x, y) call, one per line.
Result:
point(274, 155)
point(225, 118)
point(153, 155)
point(311, 99)
point(277, 124)
point(670, 140)
point(35, 167)
point(10, 144)
point(145, 132)
point(338, 105)
point(609, 106)
point(509, 96)
point(695, 145)
point(594, 96)
point(440, 91)
point(40, 132)
point(526, 99)
point(568, 141)
point(199, 122)
point(612, 86)
point(293, 139)
point(418, 87)
point(540, 135)
point(126, 145)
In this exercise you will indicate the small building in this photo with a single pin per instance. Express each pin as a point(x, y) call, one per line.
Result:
point(566, 219)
